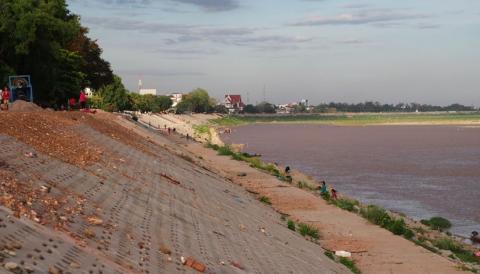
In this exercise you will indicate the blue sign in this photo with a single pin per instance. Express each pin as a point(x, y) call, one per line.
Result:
point(20, 88)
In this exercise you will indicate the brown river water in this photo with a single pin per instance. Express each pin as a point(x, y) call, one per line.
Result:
point(422, 171)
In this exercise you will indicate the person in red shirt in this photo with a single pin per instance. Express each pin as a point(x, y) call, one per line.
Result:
point(72, 103)
point(82, 99)
point(5, 96)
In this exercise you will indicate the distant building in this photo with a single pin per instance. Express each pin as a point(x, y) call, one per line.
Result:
point(176, 98)
point(145, 91)
point(234, 103)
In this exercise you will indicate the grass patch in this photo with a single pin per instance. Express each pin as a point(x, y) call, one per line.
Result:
point(291, 225)
point(419, 230)
point(438, 223)
point(345, 204)
point(201, 129)
point(212, 146)
point(457, 249)
point(265, 200)
point(308, 230)
point(302, 184)
point(350, 264)
point(225, 151)
point(426, 246)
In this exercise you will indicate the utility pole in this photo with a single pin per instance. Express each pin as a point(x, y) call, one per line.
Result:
point(264, 92)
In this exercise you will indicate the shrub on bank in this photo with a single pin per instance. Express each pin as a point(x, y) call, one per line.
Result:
point(438, 223)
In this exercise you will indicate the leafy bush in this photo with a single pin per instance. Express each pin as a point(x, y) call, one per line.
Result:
point(291, 225)
point(375, 214)
point(265, 200)
point(350, 265)
point(307, 230)
point(438, 223)
point(408, 234)
point(397, 227)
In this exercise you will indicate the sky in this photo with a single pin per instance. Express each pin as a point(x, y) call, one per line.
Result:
point(425, 51)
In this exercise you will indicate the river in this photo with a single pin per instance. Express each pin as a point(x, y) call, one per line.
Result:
point(421, 171)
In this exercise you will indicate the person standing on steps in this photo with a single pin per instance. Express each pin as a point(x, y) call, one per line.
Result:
point(5, 97)
point(323, 188)
point(82, 100)
point(334, 194)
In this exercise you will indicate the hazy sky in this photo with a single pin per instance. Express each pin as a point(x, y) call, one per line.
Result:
point(425, 51)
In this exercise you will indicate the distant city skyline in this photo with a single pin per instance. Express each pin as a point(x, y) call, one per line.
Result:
point(424, 51)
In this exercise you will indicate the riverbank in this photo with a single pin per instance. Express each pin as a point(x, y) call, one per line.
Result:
point(374, 249)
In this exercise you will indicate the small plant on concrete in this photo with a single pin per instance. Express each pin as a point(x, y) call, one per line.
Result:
point(265, 200)
point(329, 254)
point(350, 265)
point(308, 230)
point(291, 225)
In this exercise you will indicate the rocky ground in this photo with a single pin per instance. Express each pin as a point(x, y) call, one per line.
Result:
point(83, 193)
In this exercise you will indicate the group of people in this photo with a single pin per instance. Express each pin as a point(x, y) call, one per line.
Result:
point(82, 100)
point(5, 98)
point(323, 186)
point(324, 191)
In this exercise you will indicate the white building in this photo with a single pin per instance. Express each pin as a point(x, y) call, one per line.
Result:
point(145, 91)
point(176, 98)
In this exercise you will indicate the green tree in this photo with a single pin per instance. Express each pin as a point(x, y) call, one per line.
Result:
point(97, 71)
point(114, 96)
point(37, 37)
point(197, 101)
point(250, 109)
point(265, 107)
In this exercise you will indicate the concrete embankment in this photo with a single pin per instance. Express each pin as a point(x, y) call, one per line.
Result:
point(84, 193)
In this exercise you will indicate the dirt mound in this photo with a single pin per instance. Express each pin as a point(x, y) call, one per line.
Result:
point(23, 106)
point(52, 134)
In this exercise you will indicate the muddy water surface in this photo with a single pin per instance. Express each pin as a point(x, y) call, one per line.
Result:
point(422, 171)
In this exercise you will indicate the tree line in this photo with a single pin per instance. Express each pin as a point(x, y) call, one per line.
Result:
point(369, 106)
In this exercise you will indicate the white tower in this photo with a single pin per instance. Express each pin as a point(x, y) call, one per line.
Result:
point(140, 85)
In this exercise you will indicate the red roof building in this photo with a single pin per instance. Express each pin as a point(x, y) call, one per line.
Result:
point(234, 103)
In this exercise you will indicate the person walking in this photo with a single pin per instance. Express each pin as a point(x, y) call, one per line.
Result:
point(323, 188)
point(82, 99)
point(334, 194)
point(5, 97)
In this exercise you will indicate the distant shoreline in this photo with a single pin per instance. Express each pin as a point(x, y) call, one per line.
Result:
point(355, 119)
